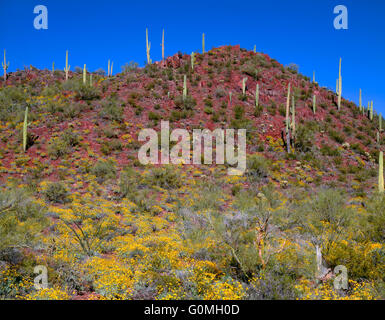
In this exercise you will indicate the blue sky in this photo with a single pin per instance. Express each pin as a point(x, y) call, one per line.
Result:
point(298, 31)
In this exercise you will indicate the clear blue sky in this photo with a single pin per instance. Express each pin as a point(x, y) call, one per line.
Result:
point(299, 31)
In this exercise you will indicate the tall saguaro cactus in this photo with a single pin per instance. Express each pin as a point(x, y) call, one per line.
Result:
point(380, 122)
point(203, 43)
point(67, 68)
point(53, 67)
point(110, 68)
point(163, 45)
point(314, 103)
point(381, 173)
point(314, 77)
point(244, 86)
point(288, 120)
point(85, 74)
point(339, 87)
point(25, 127)
point(192, 60)
point(148, 48)
point(293, 117)
point(257, 96)
point(371, 111)
point(360, 100)
point(5, 65)
point(184, 87)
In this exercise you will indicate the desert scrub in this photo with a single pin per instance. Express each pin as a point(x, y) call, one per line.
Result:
point(257, 168)
point(112, 110)
point(104, 170)
point(55, 192)
point(185, 104)
point(21, 218)
point(167, 177)
point(63, 144)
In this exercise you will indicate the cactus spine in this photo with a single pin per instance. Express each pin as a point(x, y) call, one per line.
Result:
point(203, 43)
point(163, 45)
point(184, 87)
point(192, 60)
point(84, 74)
point(25, 126)
point(244, 85)
point(148, 48)
point(339, 87)
point(314, 103)
point(257, 96)
point(5, 65)
point(67, 68)
point(381, 173)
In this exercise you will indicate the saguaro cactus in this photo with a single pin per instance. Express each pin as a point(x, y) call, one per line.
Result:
point(110, 68)
point(255, 49)
point(203, 43)
point(381, 173)
point(288, 120)
point(5, 65)
point(314, 103)
point(230, 98)
point(244, 85)
point(25, 126)
point(163, 45)
point(67, 68)
point(380, 122)
point(257, 96)
point(184, 87)
point(360, 100)
point(148, 48)
point(339, 87)
point(53, 67)
point(371, 111)
point(84, 74)
point(293, 116)
point(192, 60)
point(314, 77)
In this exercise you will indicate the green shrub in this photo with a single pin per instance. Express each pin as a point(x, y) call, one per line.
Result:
point(56, 192)
point(104, 170)
point(167, 177)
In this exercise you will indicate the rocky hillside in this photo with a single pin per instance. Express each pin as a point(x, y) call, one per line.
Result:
point(79, 202)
